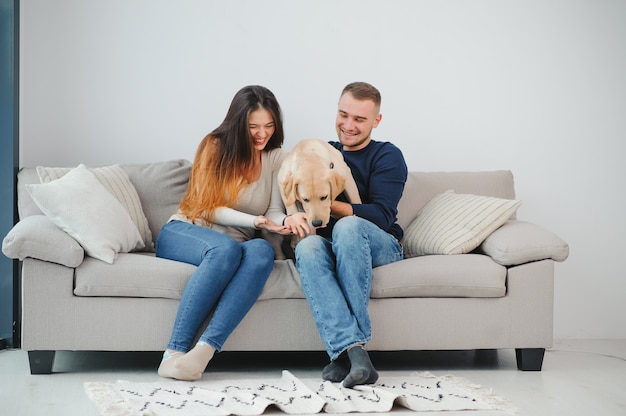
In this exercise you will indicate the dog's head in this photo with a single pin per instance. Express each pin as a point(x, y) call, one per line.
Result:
point(315, 191)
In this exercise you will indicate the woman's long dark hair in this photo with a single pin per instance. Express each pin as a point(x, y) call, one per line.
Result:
point(225, 156)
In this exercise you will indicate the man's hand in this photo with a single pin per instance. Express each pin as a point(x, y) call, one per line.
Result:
point(339, 209)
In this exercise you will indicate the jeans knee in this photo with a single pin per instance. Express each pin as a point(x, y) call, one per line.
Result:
point(229, 252)
point(310, 246)
point(261, 251)
point(347, 229)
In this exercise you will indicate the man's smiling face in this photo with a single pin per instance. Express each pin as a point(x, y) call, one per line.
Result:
point(355, 121)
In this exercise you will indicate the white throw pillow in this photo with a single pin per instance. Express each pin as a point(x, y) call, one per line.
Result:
point(81, 206)
point(117, 182)
point(456, 223)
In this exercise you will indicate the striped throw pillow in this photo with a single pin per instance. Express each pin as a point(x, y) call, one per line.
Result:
point(456, 223)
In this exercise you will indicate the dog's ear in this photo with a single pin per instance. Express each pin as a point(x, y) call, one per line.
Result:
point(289, 190)
point(337, 184)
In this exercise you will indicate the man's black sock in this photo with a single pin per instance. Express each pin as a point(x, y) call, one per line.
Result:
point(337, 370)
point(362, 370)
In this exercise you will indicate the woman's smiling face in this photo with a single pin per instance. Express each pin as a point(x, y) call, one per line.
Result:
point(261, 126)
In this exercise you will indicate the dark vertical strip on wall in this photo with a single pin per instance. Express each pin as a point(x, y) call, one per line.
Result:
point(9, 163)
point(17, 291)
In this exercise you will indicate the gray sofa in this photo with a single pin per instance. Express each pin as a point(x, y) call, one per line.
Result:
point(498, 296)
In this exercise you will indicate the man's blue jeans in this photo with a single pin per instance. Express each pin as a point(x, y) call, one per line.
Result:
point(229, 279)
point(337, 277)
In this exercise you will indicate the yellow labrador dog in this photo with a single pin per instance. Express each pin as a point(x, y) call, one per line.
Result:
point(312, 175)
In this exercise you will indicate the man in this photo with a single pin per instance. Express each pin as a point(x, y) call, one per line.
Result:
point(335, 265)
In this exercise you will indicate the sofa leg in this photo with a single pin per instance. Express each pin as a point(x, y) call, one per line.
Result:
point(529, 359)
point(41, 362)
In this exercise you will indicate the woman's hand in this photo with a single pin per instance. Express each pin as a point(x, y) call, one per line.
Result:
point(262, 222)
point(298, 224)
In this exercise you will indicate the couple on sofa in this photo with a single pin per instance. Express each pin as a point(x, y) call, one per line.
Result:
point(231, 194)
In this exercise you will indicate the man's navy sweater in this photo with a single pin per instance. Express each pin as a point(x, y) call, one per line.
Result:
point(380, 173)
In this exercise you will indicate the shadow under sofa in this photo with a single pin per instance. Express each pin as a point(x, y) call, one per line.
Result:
point(498, 296)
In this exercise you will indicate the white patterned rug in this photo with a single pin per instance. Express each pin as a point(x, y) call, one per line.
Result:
point(421, 392)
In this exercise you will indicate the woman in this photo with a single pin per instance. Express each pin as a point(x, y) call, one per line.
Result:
point(230, 192)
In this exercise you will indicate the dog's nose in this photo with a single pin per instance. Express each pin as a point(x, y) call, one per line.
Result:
point(316, 223)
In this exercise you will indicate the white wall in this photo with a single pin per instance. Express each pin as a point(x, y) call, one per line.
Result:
point(538, 87)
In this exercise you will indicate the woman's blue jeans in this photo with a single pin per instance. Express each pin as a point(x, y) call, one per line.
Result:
point(336, 279)
point(228, 281)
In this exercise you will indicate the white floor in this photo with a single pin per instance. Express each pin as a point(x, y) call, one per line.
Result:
point(579, 377)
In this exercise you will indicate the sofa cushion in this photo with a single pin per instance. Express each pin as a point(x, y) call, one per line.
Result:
point(138, 274)
point(456, 223)
point(143, 275)
point(518, 242)
point(116, 181)
point(39, 238)
point(81, 206)
point(147, 276)
point(467, 275)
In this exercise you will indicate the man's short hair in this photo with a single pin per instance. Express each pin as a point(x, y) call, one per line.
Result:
point(363, 91)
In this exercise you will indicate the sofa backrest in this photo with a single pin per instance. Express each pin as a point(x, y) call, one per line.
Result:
point(161, 185)
point(421, 187)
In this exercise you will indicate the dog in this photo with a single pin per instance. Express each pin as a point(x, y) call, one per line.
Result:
point(311, 177)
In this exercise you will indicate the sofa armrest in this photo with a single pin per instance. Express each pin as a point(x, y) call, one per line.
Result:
point(38, 237)
point(518, 242)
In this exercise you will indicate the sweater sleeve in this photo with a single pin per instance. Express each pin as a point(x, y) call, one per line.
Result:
point(232, 217)
point(387, 177)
